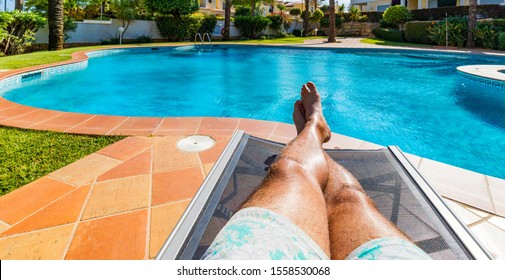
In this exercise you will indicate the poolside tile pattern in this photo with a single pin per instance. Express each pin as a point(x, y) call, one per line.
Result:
point(123, 201)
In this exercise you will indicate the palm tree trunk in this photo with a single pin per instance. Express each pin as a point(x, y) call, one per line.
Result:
point(19, 4)
point(331, 29)
point(472, 20)
point(227, 20)
point(253, 7)
point(55, 18)
point(306, 19)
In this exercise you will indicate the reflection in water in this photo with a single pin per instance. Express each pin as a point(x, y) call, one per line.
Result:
point(483, 101)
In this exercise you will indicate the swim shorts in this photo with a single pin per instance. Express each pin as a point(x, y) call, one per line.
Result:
point(261, 234)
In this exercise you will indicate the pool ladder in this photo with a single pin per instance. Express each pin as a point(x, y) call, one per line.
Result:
point(202, 38)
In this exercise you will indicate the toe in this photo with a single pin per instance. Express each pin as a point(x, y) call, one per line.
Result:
point(311, 86)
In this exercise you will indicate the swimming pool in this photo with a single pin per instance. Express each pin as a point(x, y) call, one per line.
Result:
point(415, 100)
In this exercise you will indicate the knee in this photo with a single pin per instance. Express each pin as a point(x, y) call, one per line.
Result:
point(346, 194)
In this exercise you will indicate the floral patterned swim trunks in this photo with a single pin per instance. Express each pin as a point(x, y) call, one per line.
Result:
point(261, 234)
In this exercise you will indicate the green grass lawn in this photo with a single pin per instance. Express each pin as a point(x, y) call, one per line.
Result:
point(392, 43)
point(40, 57)
point(27, 155)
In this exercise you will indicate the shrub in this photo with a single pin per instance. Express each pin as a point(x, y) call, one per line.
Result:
point(302, 15)
point(17, 30)
point(177, 28)
point(501, 41)
point(373, 16)
point(317, 15)
point(298, 32)
point(275, 22)
point(294, 12)
point(251, 26)
point(325, 22)
point(208, 24)
point(173, 7)
point(456, 32)
point(242, 11)
point(485, 36)
point(486, 11)
point(417, 32)
point(397, 15)
point(388, 34)
point(143, 39)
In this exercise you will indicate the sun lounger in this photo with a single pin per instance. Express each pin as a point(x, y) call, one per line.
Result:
point(399, 191)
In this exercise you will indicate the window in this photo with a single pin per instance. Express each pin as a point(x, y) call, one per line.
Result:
point(382, 8)
point(491, 2)
point(432, 4)
point(203, 3)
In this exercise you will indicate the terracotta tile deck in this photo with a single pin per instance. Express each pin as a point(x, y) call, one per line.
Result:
point(123, 201)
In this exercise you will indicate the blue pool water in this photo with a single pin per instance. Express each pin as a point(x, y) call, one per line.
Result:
point(414, 100)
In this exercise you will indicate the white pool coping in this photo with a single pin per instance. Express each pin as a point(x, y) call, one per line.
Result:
point(484, 71)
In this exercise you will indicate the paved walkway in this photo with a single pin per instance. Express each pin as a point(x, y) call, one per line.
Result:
point(123, 201)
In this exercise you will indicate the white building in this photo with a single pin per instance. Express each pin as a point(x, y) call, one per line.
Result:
point(7, 5)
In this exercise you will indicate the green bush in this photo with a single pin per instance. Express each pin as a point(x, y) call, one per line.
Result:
point(242, 11)
point(207, 24)
point(485, 36)
point(173, 7)
point(275, 22)
point(317, 15)
point(501, 41)
point(397, 15)
point(388, 34)
point(17, 30)
point(295, 12)
point(456, 32)
point(417, 32)
point(178, 28)
point(302, 15)
point(251, 26)
point(143, 39)
point(298, 32)
point(325, 22)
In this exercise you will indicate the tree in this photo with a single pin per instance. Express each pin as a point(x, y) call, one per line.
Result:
point(173, 7)
point(397, 15)
point(124, 10)
point(281, 8)
point(55, 19)
point(295, 12)
point(306, 18)
point(331, 30)
point(227, 20)
point(19, 5)
point(472, 19)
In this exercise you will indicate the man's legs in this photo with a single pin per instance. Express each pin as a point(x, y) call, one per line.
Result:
point(352, 215)
point(293, 186)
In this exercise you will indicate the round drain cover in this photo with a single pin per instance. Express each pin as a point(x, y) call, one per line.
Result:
point(196, 143)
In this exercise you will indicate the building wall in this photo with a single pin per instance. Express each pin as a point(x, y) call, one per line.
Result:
point(414, 4)
point(372, 6)
point(95, 31)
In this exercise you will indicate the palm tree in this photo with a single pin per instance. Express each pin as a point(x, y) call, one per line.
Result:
point(331, 30)
point(472, 19)
point(253, 6)
point(55, 19)
point(19, 4)
point(124, 10)
point(306, 19)
point(227, 20)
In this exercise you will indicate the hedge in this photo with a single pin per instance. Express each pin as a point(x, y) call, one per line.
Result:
point(501, 41)
point(486, 11)
point(388, 34)
point(417, 32)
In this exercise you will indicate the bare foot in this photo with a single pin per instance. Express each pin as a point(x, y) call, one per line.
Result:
point(311, 101)
point(299, 116)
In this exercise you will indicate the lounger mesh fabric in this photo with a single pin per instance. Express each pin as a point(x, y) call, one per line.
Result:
point(384, 180)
